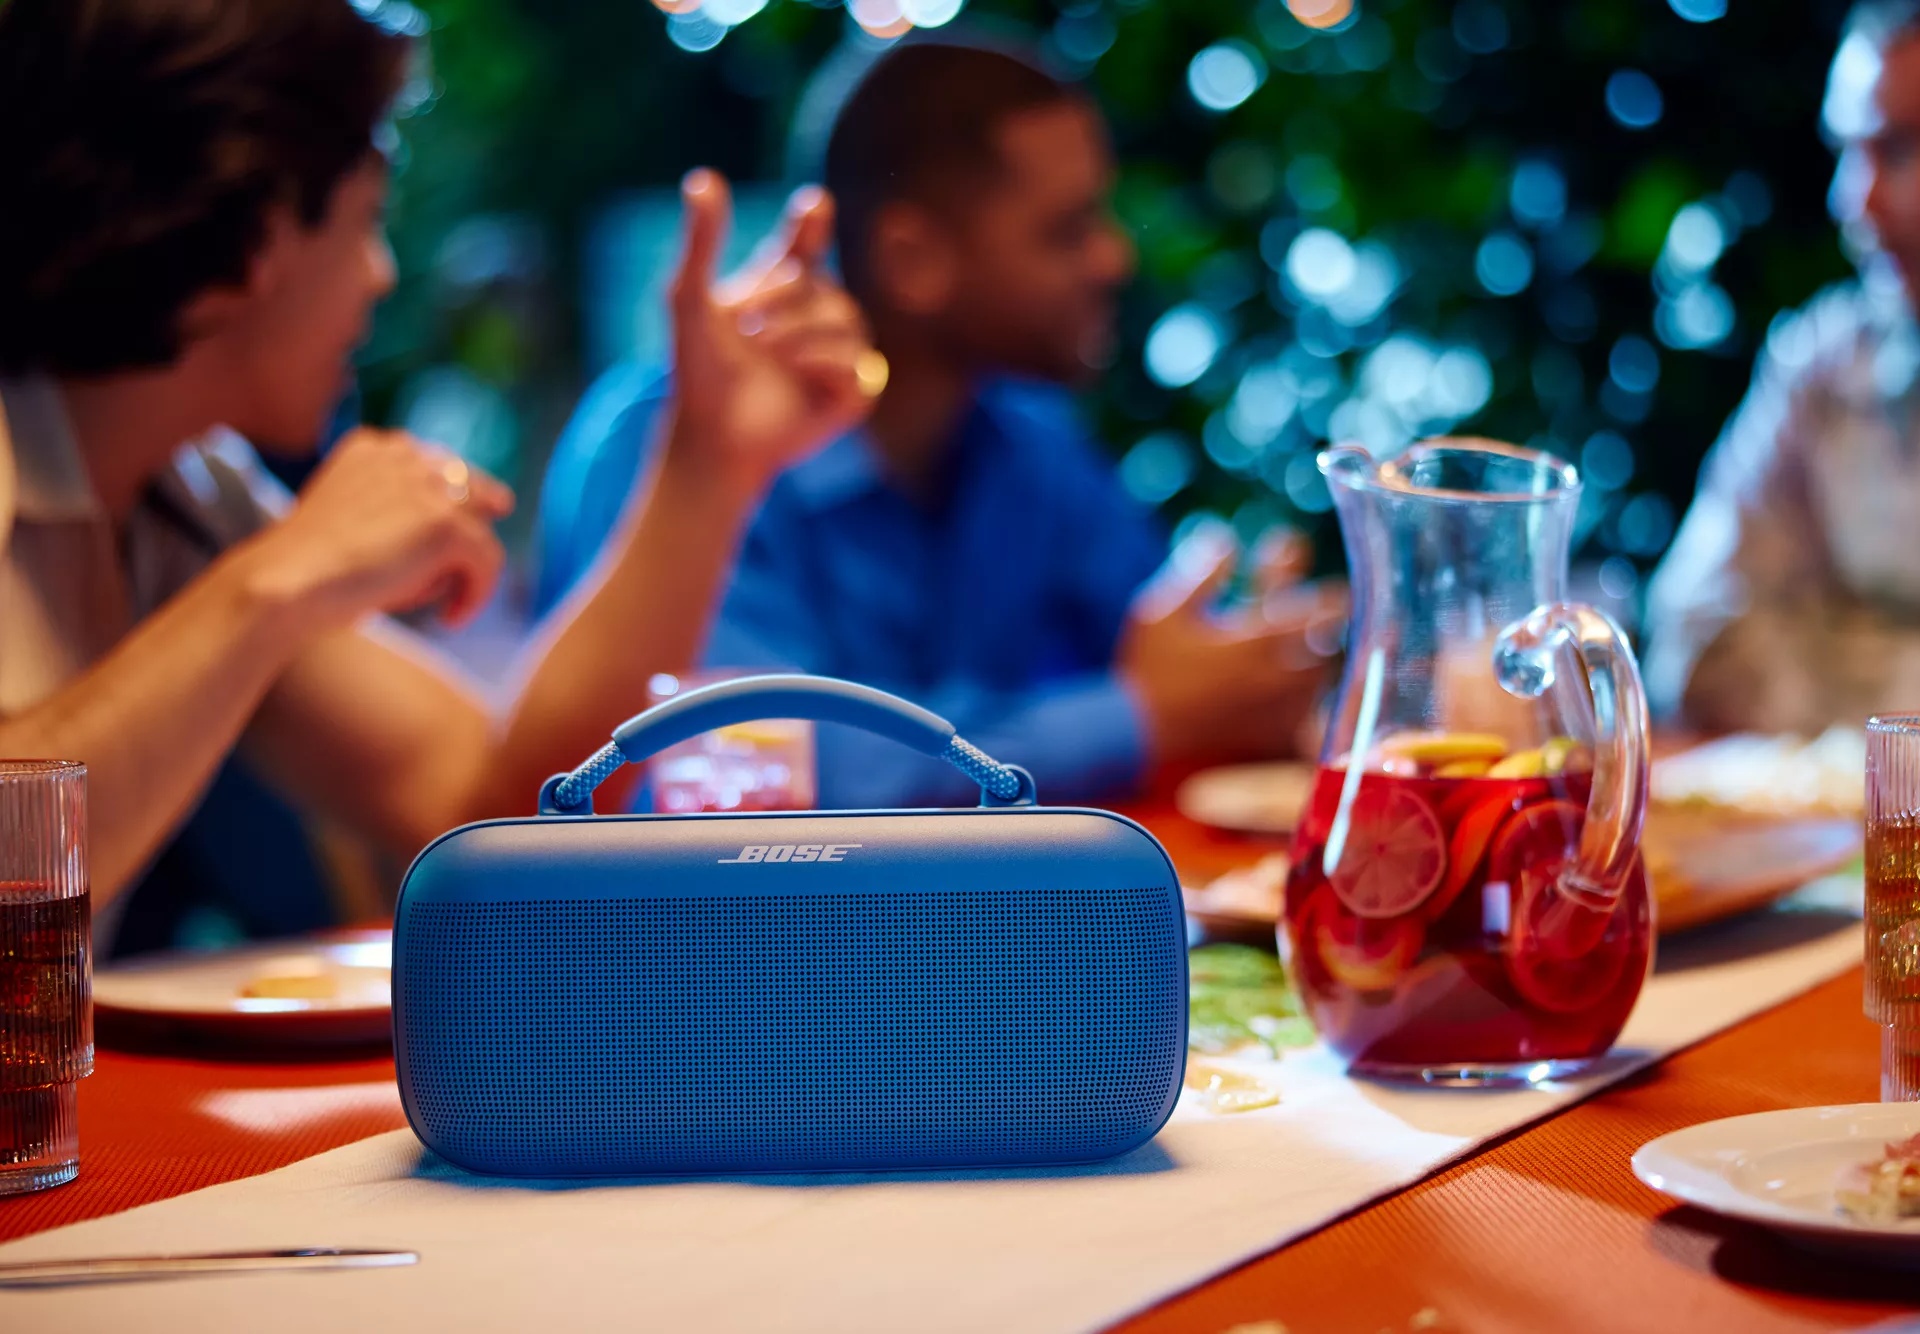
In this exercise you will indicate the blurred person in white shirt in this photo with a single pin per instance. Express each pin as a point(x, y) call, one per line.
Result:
point(1790, 601)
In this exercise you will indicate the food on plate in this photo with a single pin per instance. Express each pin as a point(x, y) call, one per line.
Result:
point(1769, 775)
point(1883, 1189)
point(293, 979)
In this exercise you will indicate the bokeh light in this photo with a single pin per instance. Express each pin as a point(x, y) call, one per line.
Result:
point(1232, 453)
point(1538, 193)
point(931, 13)
point(1503, 264)
point(1376, 278)
point(1644, 525)
point(1226, 74)
point(1606, 460)
point(1699, 11)
point(1462, 384)
point(1480, 26)
point(1321, 13)
point(1748, 198)
point(1320, 264)
point(695, 30)
point(1182, 345)
point(1633, 99)
point(1083, 36)
point(1619, 578)
point(880, 18)
point(1634, 365)
point(1158, 468)
point(731, 12)
point(1263, 404)
point(1696, 239)
point(1304, 485)
point(1698, 316)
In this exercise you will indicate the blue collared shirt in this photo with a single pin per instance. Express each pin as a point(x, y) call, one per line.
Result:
point(1000, 609)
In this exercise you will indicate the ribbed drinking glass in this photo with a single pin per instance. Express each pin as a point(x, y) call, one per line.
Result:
point(46, 977)
point(1893, 900)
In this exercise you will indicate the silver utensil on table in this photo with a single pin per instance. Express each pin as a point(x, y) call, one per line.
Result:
point(146, 1268)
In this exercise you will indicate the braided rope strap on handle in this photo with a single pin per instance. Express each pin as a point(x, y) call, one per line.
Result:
point(817, 698)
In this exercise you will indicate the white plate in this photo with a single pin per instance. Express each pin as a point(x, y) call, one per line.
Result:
point(203, 995)
point(1248, 798)
point(1778, 1169)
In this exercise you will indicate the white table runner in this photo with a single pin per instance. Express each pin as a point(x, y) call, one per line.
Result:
point(1006, 1252)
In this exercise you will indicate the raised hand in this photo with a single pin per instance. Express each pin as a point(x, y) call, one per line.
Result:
point(776, 361)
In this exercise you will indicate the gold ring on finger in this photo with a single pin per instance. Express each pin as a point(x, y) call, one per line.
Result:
point(458, 476)
point(870, 368)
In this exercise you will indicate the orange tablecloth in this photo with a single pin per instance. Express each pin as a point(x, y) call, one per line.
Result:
point(1545, 1231)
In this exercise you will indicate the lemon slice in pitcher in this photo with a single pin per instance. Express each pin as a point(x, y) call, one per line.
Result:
point(1436, 748)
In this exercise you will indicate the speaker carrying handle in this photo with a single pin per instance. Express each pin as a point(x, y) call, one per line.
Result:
point(818, 698)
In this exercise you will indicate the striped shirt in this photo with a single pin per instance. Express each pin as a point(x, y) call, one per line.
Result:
point(1790, 600)
point(70, 586)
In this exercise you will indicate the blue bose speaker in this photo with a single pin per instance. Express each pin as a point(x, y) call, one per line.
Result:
point(651, 995)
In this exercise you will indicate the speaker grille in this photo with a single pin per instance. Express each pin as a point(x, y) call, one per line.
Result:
point(774, 1033)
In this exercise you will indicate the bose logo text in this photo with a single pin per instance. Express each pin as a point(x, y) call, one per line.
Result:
point(788, 852)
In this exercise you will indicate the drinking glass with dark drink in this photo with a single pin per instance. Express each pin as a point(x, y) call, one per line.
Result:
point(46, 977)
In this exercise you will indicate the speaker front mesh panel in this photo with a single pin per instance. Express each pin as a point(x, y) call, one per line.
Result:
point(648, 1036)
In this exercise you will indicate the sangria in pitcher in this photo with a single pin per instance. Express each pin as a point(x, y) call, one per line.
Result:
point(1467, 903)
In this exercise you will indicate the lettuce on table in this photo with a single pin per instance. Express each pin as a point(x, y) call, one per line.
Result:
point(1240, 997)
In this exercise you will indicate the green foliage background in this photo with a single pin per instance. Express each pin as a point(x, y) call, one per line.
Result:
point(1405, 128)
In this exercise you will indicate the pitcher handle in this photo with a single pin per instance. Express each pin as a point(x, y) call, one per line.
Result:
point(1526, 662)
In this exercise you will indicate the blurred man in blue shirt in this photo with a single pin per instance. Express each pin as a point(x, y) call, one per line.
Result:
point(972, 548)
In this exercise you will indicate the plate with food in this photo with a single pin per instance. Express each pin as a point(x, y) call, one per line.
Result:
point(1760, 777)
point(1247, 798)
point(1742, 821)
point(1707, 866)
point(336, 991)
point(1844, 1181)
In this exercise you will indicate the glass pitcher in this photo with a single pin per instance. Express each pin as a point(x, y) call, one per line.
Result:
point(1467, 903)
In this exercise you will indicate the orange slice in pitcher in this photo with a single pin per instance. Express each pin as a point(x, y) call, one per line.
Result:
point(1467, 849)
point(1563, 957)
point(1540, 835)
point(1394, 855)
point(1362, 954)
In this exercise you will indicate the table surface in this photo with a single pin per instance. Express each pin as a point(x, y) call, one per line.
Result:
point(1546, 1229)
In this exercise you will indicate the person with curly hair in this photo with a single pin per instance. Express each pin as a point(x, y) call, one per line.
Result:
point(189, 257)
